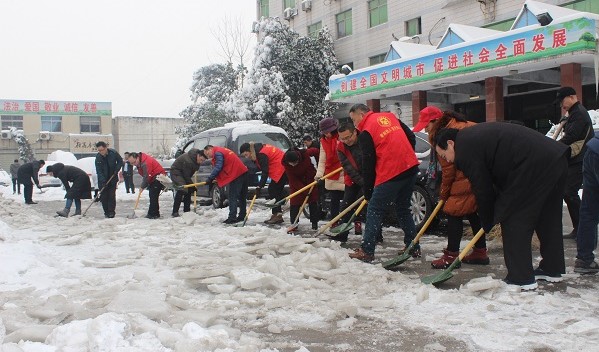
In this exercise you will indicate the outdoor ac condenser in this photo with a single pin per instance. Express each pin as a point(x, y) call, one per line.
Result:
point(6, 134)
point(44, 136)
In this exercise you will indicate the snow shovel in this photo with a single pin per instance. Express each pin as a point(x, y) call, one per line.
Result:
point(133, 216)
point(97, 196)
point(248, 212)
point(348, 225)
point(406, 254)
point(282, 201)
point(296, 221)
point(341, 214)
point(446, 274)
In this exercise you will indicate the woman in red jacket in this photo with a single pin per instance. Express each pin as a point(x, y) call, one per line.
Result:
point(149, 168)
point(300, 172)
point(456, 191)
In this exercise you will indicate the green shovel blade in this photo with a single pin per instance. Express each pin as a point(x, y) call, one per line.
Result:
point(341, 228)
point(400, 258)
point(442, 277)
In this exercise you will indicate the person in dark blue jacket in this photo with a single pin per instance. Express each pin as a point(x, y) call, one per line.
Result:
point(108, 164)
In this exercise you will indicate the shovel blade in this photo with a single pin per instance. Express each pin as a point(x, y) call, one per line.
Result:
point(442, 277)
point(400, 259)
point(341, 228)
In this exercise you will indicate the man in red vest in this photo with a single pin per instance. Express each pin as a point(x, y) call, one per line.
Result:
point(149, 168)
point(229, 170)
point(389, 169)
point(270, 161)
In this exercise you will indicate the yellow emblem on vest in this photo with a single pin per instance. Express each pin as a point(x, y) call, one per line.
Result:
point(384, 121)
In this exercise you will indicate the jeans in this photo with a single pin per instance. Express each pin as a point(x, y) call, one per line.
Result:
point(69, 203)
point(586, 237)
point(238, 192)
point(398, 191)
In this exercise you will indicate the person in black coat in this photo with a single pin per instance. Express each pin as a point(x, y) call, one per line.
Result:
point(128, 174)
point(578, 130)
point(81, 187)
point(518, 177)
point(25, 174)
point(182, 171)
point(108, 164)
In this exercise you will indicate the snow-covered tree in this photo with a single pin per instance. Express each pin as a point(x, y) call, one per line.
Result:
point(288, 80)
point(25, 151)
point(212, 86)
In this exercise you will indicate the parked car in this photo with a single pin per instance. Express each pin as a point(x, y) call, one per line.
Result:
point(232, 136)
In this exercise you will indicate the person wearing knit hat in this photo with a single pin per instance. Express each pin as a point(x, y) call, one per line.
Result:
point(427, 115)
point(328, 161)
point(76, 183)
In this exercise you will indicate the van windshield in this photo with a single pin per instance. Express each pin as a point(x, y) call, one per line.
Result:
point(276, 139)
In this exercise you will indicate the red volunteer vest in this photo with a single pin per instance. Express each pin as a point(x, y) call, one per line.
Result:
point(152, 166)
point(343, 149)
point(332, 163)
point(394, 154)
point(233, 167)
point(275, 161)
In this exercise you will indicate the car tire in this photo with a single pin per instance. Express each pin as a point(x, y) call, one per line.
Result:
point(421, 207)
point(218, 197)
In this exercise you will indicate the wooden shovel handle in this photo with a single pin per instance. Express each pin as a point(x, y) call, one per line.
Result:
point(341, 214)
point(137, 201)
point(308, 186)
point(429, 220)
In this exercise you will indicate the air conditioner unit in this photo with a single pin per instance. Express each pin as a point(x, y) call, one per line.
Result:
point(307, 5)
point(44, 136)
point(289, 13)
point(6, 134)
point(255, 27)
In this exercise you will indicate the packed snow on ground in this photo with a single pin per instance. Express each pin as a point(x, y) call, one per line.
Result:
point(192, 284)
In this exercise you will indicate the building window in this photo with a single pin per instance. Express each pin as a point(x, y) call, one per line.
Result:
point(52, 123)
point(90, 124)
point(584, 6)
point(413, 27)
point(263, 8)
point(344, 26)
point(313, 29)
point(377, 12)
point(503, 26)
point(9, 121)
point(377, 59)
point(288, 4)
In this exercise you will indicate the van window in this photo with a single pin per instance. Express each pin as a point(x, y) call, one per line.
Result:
point(218, 141)
point(279, 140)
point(200, 143)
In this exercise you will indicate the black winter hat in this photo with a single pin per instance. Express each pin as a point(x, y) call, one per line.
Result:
point(291, 156)
point(564, 92)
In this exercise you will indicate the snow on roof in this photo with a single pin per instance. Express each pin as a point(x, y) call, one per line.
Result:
point(406, 49)
point(466, 33)
point(536, 7)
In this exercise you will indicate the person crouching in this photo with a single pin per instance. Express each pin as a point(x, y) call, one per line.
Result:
point(81, 187)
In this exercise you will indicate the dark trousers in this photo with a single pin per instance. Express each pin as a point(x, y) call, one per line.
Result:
point(129, 186)
point(455, 229)
point(314, 215)
point(16, 186)
point(586, 237)
point(276, 190)
point(541, 212)
point(28, 192)
point(571, 197)
point(238, 192)
point(351, 194)
point(108, 199)
point(336, 197)
point(154, 190)
point(398, 191)
point(185, 197)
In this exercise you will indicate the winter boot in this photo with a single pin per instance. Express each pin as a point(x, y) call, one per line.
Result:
point(446, 260)
point(358, 228)
point(477, 256)
point(341, 237)
point(361, 255)
point(275, 219)
point(77, 212)
point(64, 213)
point(315, 225)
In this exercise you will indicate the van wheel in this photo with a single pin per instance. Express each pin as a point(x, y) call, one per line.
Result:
point(217, 195)
point(421, 207)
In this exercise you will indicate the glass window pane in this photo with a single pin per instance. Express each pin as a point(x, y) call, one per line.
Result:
point(377, 12)
point(288, 3)
point(52, 123)
point(9, 121)
point(313, 29)
point(89, 124)
point(264, 10)
point(344, 24)
point(377, 59)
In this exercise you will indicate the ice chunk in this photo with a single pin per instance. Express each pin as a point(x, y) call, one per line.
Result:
point(274, 329)
point(35, 333)
point(423, 294)
point(147, 303)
